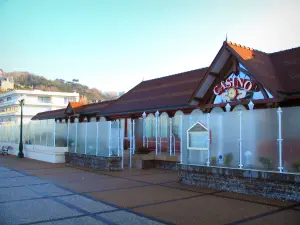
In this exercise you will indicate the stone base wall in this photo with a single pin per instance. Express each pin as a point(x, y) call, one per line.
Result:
point(267, 184)
point(157, 164)
point(166, 165)
point(112, 163)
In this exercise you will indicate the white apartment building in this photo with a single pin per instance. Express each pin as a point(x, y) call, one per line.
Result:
point(36, 101)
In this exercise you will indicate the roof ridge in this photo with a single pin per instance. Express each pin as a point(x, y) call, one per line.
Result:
point(245, 47)
point(283, 50)
point(174, 74)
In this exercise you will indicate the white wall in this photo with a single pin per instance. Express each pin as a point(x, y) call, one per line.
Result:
point(38, 152)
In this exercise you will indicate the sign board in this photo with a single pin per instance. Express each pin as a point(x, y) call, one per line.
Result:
point(198, 137)
point(236, 88)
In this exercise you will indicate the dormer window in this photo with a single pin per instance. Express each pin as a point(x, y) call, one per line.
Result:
point(198, 137)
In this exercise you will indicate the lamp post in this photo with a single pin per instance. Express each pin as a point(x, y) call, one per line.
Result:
point(21, 154)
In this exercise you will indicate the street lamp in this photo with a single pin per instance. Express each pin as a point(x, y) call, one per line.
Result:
point(21, 154)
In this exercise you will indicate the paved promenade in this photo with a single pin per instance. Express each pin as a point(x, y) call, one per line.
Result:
point(33, 192)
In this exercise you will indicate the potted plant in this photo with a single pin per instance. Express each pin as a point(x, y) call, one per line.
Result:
point(296, 166)
point(228, 159)
point(266, 162)
point(213, 160)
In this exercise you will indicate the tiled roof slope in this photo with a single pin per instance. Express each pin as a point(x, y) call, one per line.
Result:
point(259, 64)
point(76, 104)
point(92, 108)
point(279, 71)
point(78, 108)
point(59, 113)
point(161, 93)
point(287, 67)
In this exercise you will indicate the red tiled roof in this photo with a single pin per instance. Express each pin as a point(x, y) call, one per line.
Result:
point(73, 105)
point(278, 72)
point(161, 93)
point(259, 64)
point(93, 108)
point(80, 109)
point(287, 66)
point(59, 113)
point(76, 104)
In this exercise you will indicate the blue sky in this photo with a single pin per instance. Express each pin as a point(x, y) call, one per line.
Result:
point(113, 45)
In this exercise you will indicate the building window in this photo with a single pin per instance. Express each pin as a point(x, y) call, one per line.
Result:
point(69, 99)
point(164, 125)
point(44, 99)
point(150, 126)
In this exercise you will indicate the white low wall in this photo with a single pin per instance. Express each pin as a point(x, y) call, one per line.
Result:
point(39, 152)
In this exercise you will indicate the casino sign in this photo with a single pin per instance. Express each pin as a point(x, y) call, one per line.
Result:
point(236, 88)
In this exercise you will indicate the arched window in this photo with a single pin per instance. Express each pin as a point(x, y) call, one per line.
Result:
point(102, 119)
point(150, 126)
point(216, 110)
point(93, 119)
point(239, 108)
point(176, 123)
point(164, 125)
point(195, 116)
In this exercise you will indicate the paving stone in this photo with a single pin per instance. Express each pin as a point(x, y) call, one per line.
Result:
point(3, 169)
point(17, 193)
point(50, 189)
point(178, 185)
point(141, 195)
point(60, 170)
point(9, 174)
point(126, 218)
point(130, 172)
point(156, 178)
point(18, 181)
point(207, 209)
point(287, 217)
point(86, 204)
point(85, 220)
point(101, 184)
point(33, 211)
point(71, 177)
point(257, 199)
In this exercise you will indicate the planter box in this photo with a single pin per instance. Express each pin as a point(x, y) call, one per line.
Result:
point(107, 163)
point(268, 184)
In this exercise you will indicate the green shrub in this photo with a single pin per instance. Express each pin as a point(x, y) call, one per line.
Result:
point(213, 160)
point(266, 162)
point(228, 159)
point(296, 166)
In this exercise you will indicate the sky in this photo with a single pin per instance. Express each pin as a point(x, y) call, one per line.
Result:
point(114, 45)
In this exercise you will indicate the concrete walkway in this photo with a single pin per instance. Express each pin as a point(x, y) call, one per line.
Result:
point(33, 192)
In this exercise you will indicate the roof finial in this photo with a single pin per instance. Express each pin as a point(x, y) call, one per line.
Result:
point(226, 37)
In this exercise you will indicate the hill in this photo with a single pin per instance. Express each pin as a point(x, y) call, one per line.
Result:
point(29, 81)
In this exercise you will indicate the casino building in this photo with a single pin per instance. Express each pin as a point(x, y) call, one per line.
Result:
point(239, 79)
point(237, 75)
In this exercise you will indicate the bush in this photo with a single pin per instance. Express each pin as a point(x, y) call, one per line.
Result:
point(228, 159)
point(296, 166)
point(213, 160)
point(266, 162)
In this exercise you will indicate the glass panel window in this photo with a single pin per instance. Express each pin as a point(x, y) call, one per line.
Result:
point(44, 99)
point(69, 99)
